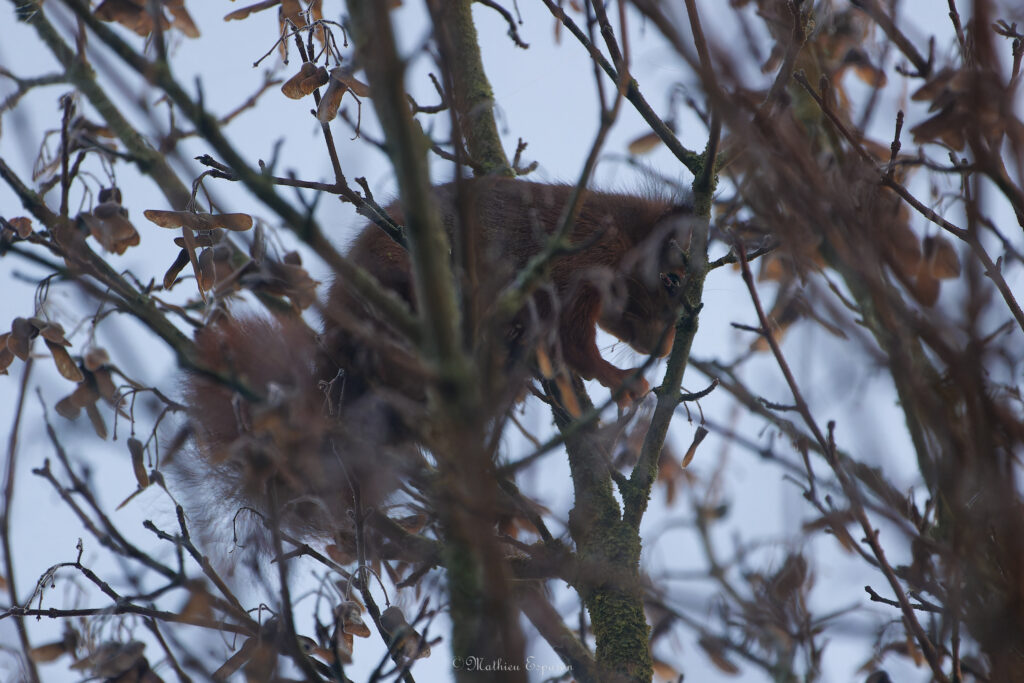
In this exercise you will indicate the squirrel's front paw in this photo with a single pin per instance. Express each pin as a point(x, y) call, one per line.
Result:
point(633, 391)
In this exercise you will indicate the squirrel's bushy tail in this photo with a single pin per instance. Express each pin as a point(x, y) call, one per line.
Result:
point(268, 439)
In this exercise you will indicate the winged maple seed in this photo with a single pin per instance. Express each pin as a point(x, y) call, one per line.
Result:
point(341, 82)
point(962, 99)
point(108, 223)
point(137, 16)
point(18, 343)
point(309, 78)
point(939, 262)
point(97, 382)
point(244, 12)
point(403, 639)
point(237, 222)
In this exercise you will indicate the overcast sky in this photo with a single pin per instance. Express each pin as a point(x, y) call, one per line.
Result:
point(546, 96)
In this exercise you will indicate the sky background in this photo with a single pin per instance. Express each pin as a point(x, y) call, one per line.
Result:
point(546, 96)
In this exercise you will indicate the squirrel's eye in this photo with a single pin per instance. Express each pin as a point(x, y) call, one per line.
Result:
point(671, 281)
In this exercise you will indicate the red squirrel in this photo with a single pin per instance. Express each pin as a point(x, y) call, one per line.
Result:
point(302, 446)
point(623, 273)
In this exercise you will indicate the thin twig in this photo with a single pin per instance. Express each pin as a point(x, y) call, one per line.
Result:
point(5, 521)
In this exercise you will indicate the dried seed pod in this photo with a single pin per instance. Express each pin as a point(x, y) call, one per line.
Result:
point(71, 405)
point(318, 78)
point(98, 424)
point(108, 222)
point(345, 76)
point(402, 637)
point(137, 451)
point(203, 239)
point(131, 15)
point(330, 101)
point(297, 86)
point(207, 271)
point(239, 14)
point(349, 616)
point(644, 143)
point(182, 19)
point(105, 385)
point(20, 340)
point(343, 645)
point(65, 364)
point(53, 332)
point(95, 358)
point(258, 249)
point(6, 356)
point(172, 273)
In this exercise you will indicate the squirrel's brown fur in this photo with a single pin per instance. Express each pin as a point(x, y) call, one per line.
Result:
point(623, 273)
